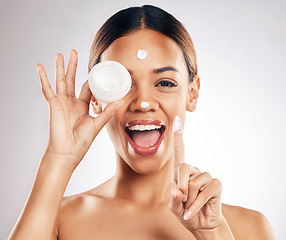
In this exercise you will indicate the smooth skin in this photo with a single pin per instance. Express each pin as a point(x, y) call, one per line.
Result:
point(148, 197)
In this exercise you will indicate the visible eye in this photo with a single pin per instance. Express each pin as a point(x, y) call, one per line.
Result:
point(166, 83)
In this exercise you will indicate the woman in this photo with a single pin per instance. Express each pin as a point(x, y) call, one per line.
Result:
point(153, 194)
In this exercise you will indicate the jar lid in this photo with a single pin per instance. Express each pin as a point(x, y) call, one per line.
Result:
point(109, 81)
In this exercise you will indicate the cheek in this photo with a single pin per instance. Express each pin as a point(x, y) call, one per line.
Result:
point(112, 130)
point(113, 127)
point(174, 105)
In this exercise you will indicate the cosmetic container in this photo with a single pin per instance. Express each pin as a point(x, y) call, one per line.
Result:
point(109, 81)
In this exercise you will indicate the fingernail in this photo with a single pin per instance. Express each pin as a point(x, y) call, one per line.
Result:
point(187, 214)
point(185, 198)
point(177, 125)
point(95, 104)
point(119, 104)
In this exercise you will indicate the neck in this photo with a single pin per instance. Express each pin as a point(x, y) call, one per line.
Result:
point(144, 189)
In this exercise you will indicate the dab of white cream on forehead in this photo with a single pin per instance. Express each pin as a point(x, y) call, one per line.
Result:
point(141, 54)
point(144, 104)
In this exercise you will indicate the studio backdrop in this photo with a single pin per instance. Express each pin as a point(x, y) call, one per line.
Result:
point(237, 132)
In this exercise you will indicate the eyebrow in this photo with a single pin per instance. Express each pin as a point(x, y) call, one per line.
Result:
point(165, 69)
point(160, 70)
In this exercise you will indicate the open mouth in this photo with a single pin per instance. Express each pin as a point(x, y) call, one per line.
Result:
point(145, 136)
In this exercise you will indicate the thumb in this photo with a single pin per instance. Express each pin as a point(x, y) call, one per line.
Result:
point(176, 204)
point(86, 131)
point(105, 116)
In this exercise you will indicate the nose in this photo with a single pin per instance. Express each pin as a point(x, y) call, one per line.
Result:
point(144, 101)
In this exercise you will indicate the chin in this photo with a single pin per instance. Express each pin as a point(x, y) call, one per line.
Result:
point(146, 168)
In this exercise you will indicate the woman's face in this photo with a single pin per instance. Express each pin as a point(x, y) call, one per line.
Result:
point(159, 93)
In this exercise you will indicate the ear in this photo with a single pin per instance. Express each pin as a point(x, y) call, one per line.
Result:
point(95, 105)
point(193, 94)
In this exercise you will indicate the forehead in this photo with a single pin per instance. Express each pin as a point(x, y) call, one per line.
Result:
point(162, 50)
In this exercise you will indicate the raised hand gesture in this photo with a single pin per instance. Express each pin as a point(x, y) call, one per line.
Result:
point(72, 129)
point(196, 196)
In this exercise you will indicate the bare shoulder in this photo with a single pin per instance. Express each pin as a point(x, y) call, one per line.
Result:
point(86, 201)
point(80, 206)
point(247, 224)
point(73, 204)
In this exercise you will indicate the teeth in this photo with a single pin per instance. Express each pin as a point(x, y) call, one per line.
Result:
point(144, 127)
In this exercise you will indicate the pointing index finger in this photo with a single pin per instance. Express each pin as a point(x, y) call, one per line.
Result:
point(179, 146)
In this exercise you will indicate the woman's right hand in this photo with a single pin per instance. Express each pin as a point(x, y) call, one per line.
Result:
point(72, 129)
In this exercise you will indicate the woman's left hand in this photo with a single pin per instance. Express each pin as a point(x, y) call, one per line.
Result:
point(196, 196)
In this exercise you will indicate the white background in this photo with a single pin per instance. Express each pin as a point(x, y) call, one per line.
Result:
point(237, 133)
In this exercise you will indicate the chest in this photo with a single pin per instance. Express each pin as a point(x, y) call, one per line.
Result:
point(123, 224)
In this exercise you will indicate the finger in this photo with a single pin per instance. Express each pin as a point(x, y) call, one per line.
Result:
point(46, 87)
point(179, 147)
point(105, 115)
point(212, 191)
point(197, 185)
point(96, 107)
point(176, 203)
point(71, 74)
point(60, 75)
point(193, 172)
point(85, 93)
point(183, 176)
